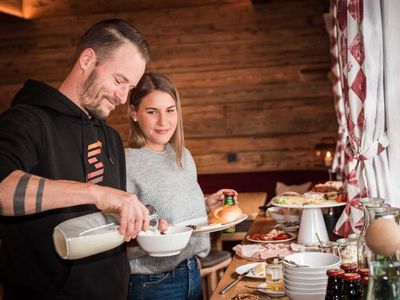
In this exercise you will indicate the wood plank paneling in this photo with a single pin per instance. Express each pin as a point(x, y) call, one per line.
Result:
point(252, 78)
point(256, 161)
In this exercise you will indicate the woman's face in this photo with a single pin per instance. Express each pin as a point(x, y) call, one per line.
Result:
point(157, 117)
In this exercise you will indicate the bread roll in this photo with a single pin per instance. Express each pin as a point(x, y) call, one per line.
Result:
point(225, 214)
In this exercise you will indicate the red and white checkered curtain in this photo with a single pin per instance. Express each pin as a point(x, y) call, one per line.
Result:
point(339, 159)
point(359, 100)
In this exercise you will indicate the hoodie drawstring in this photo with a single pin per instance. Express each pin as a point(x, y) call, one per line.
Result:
point(83, 150)
point(106, 146)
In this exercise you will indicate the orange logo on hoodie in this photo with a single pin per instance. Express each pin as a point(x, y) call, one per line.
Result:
point(94, 150)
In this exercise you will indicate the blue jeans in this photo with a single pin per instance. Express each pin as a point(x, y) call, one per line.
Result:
point(182, 283)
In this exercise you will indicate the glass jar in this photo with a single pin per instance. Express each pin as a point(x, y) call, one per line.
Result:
point(229, 201)
point(274, 274)
point(91, 234)
point(87, 235)
point(370, 205)
point(396, 212)
point(348, 249)
point(384, 271)
point(329, 247)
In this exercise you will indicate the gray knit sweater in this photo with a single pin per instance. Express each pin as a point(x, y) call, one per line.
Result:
point(156, 179)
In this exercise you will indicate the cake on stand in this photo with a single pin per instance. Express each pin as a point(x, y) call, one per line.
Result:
point(312, 224)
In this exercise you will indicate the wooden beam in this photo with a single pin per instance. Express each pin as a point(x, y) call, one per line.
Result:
point(260, 1)
point(12, 7)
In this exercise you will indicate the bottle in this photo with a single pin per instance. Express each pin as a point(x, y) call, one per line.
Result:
point(229, 201)
point(349, 267)
point(351, 286)
point(384, 271)
point(335, 284)
point(91, 234)
point(364, 283)
point(369, 205)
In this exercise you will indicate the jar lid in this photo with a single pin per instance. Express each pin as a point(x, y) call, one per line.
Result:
point(351, 277)
point(274, 260)
point(228, 193)
point(349, 267)
point(335, 272)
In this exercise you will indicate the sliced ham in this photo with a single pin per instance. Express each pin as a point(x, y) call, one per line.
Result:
point(262, 251)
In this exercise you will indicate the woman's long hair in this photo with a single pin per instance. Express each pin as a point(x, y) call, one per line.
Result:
point(156, 82)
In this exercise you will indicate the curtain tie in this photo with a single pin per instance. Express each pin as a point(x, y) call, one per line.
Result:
point(372, 150)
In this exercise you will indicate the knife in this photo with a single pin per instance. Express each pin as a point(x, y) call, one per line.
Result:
point(230, 285)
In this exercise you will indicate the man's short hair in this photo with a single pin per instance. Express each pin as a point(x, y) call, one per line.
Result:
point(108, 35)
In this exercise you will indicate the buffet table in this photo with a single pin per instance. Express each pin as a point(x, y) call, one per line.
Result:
point(261, 224)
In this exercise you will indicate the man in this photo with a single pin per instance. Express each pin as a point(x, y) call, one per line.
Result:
point(58, 160)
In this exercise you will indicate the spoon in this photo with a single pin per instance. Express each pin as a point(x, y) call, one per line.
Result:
point(319, 240)
point(295, 264)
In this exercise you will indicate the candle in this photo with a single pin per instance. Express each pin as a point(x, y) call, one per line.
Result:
point(328, 159)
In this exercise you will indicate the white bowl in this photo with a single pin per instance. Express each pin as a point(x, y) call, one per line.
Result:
point(306, 280)
point(310, 274)
point(171, 243)
point(304, 296)
point(317, 262)
point(280, 214)
point(305, 289)
point(305, 285)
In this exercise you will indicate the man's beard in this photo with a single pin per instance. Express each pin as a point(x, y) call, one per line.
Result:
point(90, 98)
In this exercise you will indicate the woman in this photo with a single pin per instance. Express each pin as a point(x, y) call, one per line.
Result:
point(161, 172)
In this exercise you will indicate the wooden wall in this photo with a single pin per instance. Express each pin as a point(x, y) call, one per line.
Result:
point(252, 77)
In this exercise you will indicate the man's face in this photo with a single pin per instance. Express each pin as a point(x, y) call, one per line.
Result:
point(109, 83)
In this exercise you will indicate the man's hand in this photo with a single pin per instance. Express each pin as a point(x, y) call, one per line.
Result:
point(134, 216)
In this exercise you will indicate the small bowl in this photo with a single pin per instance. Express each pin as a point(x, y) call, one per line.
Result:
point(304, 296)
point(317, 262)
point(305, 289)
point(171, 243)
point(305, 285)
point(280, 214)
point(317, 280)
point(311, 274)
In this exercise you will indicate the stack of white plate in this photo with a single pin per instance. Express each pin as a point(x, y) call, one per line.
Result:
point(305, 274)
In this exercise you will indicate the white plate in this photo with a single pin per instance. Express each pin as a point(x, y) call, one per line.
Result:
point(203, 227)
point(263, 289)
point(327, 203)
point(245, 268)
point(290, 228)
point(293, 236)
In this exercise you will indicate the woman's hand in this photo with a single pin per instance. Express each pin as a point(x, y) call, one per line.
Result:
point(216, 200)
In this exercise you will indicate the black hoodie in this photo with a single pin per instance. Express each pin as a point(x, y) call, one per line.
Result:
point(46, 134)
